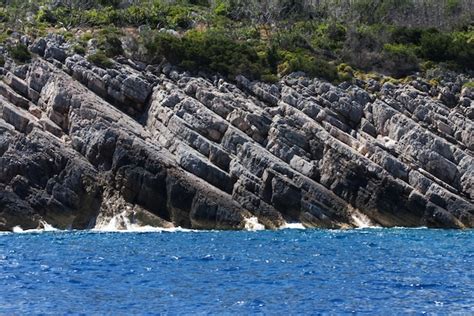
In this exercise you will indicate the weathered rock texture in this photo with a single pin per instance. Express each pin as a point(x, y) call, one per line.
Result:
point(79, 142)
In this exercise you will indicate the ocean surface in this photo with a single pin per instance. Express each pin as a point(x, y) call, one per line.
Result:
point(372, 271)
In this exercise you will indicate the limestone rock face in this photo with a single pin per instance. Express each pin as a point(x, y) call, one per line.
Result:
point(80, 143)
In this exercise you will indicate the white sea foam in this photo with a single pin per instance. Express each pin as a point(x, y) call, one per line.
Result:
point(142, 229)
point(252, 224)
point(46, 228)
point(362, 220)
point(18, 229)
point(121, 223)
point(292, 226)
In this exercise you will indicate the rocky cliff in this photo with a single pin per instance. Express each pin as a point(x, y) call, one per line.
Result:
point(80, 144)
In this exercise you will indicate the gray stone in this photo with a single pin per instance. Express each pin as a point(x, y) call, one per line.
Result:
point(55, 53)
point(173, 148)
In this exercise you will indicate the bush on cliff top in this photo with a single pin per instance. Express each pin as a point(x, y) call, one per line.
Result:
point(210, 50)
point(232, 36)
point(400, 60)
point(100, 59)
point(214, 50)
point(20, 53)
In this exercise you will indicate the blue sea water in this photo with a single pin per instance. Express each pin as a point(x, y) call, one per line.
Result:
point(373, 271)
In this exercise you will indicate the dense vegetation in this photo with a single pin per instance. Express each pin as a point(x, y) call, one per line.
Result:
point(262, 39)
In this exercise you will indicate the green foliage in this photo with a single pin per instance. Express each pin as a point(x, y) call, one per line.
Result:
point(269, 78)
point(179, 16)
point(309, 64)
point(2, 61)
point(210, 50)
point(377, 11)
point(457, 47)
point(462, 49)
point(261, 39)
point(67, 35)
point(3, 37)
point(290, 39)
point(79, 49)
point(109, 3)
point(156, 13)
point(427, 65)
point(435, 46)
point(110, 43)
point(215, 51)
point(406, 35)
point(100, 59)
point(400, 60)
point(3, 15)
point(272, 58)
point(453, 6)
point(222, 8)
point(345, 72)
point(45, 15)
point(85, 37)
point(329, 36)
point(203, 3)
point(19, 53)
point(469, 84)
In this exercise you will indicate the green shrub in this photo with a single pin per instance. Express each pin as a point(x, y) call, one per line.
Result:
point(345, 72)
point(100, 59)
point(3, 15)
point(436, 46)
point(109, 42)
point(462, 49)
point(20, 53)
point(272, 58)
point(3, 37)
point(453, 6)
point(112, 46)
point(469, 84)
point(291, 39)
point(2, 61)
point(203, 3)
point(109, 3)
point(222, 8)
point(269, 78)
point(79, 49)
point(375, 11)
point(138, 15)
point(208, 50)
point(406, 35)
point(456, 47)
point(400, 60)
point(310, 65)
point(45, 15)
point(329, 36)
point(85, 37)
point(427, 65)
point(179, 16)
point(67, 35)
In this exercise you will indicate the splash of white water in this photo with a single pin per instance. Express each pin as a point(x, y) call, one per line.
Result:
point(122, 223)
point(18, 229)
point(46, 228)
point(292, 226)
point(362, 220)
point(252, 224)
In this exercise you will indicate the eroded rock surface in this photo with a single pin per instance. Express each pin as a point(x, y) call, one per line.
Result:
point(80, 143)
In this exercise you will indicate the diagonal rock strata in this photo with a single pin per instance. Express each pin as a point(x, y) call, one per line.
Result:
point(79, 143)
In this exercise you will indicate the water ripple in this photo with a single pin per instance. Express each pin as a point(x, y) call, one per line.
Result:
point(374, 271)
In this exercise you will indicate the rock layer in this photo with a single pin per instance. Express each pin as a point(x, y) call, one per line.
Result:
point(78, 143)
